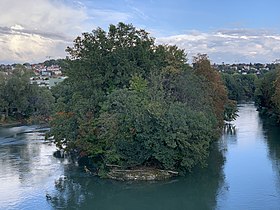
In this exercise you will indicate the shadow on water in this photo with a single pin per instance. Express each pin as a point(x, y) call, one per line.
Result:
point(252, 163)
point(31, 177)
point(272, 132)
point(198, 190)
point(41, 180)
point(206, 188)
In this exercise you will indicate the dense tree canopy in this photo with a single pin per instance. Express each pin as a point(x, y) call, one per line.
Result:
point(19, 99)
point(240, 87)
point(132, 103)
point(216, 88)
point(267, 94)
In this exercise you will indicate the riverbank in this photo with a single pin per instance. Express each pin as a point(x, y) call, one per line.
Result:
point(242, 172)
point(11, 124)
point(43, 122)
point(141, 174)
point(119, 173)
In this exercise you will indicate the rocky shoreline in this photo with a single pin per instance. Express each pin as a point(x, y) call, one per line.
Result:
point(145, 174)
point(10, 124)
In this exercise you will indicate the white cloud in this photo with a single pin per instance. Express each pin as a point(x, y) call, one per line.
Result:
point(29, 48)
point(42, 15)
point(229, 45)
point(31, 30)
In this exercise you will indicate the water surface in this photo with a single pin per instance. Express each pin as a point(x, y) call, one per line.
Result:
point(243, 173)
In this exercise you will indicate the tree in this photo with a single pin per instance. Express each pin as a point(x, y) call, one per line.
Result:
point(240, 87)
point(231, 110)
point(105, 61)
point(20, 99)
point(136, 129)
point(265, 89)
point(216, 89)
point(276, 95)
point(130, 102)
point(267, 94)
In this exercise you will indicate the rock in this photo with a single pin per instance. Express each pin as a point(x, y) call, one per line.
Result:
point(145, 174)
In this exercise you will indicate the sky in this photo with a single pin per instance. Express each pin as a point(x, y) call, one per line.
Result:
point(240, 31)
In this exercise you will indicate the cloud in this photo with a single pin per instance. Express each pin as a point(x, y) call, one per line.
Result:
point(32, 30)
point(42, 15)
point(19, 30)
point(29, 48)
point(230, 46)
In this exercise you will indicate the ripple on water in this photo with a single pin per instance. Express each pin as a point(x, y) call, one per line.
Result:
point(27, 168)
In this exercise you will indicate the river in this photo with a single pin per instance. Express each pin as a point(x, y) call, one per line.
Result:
point(243, 173)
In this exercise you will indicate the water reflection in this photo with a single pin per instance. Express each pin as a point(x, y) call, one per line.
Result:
point(25, 167)
point(229, 129)
point(248, 178)
point(31, 177)
point(272, 133)
point(17, 154)
point(195, 191)
point(248, 172)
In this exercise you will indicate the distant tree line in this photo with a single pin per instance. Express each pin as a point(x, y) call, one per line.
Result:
point(132, 103)
point(263, 89)
point(240, 87)
point(19, 100)
point(267, 95)
point(128, 101)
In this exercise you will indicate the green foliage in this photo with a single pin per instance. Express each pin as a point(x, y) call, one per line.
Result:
point(231, 110)
point(138, 84)
point(59, 62)
point(267, 94)
point(240, 87)
point(214, 85)
point(143, 131)
point(130, 102)
point(20, 99)
point(265, 91)
point(64, 126)
point(102, 61)
point(276, 95)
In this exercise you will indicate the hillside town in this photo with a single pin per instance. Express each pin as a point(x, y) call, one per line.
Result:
point(49, 73)
point(243, 68)
point(42, 75)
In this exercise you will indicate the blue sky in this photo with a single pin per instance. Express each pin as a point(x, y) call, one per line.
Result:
point(177, 16)
point(228, 31)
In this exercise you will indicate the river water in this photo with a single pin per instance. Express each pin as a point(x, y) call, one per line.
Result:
point(243, 173)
